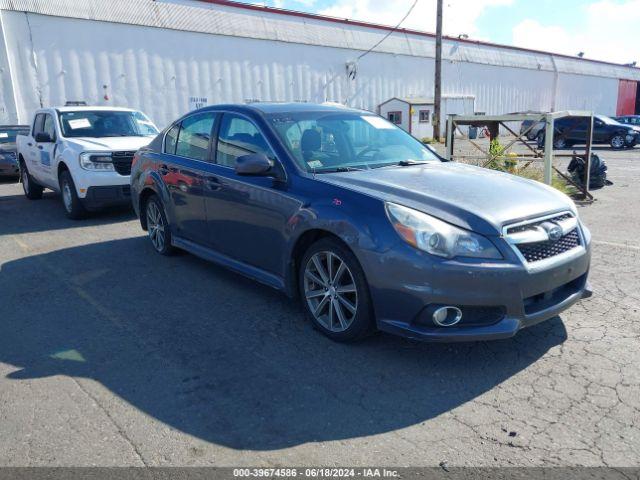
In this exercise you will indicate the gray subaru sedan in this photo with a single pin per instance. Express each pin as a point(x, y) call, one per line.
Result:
point(368, 227)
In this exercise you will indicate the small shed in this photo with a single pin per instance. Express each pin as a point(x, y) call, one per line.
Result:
point(415, 114)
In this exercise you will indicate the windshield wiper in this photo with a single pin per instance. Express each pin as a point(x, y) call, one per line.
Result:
point(408, 163)
point(340, 170)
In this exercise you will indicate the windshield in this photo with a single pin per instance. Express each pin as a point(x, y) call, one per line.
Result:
point(106, 123)
point(323, 142)
point(9, 135)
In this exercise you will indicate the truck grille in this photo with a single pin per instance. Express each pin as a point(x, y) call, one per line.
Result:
point(122, 162)
point(534, 252)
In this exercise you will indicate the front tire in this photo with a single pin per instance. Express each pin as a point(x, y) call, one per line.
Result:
point(158, 226)
point(335, 292)
point(73, 207)
point(31, 189)
point(617, 142)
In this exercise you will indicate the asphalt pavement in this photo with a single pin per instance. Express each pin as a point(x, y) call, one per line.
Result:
point(113, 355)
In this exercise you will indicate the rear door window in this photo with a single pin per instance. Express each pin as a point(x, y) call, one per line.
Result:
point(195, 136)
point(171, 139)
point(38, 124)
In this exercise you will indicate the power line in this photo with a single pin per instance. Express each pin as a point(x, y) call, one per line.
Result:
point(390, 31)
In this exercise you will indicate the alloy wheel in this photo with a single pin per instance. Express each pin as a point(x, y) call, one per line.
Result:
point(155, 226)
point(330, 291)
point(617, 141)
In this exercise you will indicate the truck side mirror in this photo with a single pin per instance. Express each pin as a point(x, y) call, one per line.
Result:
point(43, 138)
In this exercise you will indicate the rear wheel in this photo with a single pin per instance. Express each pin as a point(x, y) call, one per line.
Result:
point(617, 142)
point(158, 226)
point(335, 293)
point(73, 207)
point(31, 189)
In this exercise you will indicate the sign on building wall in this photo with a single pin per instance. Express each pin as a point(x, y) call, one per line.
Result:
point(197, 102)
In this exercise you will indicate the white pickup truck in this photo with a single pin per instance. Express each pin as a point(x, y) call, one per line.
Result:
point(85, 153)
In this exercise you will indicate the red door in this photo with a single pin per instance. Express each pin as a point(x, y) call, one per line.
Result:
point(627, 97)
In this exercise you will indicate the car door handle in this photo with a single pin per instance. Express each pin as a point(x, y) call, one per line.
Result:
point(40, 147)
point(30, 144)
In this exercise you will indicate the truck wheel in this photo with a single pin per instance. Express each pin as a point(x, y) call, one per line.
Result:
point(72, 204)
point(32, 190)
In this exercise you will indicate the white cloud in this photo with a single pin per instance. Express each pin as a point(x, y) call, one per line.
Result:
point(611, 32)
point(460, 16)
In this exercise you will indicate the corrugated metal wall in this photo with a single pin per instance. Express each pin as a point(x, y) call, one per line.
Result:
point(49, 59)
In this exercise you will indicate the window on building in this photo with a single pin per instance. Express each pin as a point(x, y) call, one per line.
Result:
point(425, 116)
point(238, 137)
point(194, 137)
point(395, 117)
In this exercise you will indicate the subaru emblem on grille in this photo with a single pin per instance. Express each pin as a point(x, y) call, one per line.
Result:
point(554, 231)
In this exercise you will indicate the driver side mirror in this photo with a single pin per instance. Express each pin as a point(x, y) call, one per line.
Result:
point(43, 138)
point(254, 164)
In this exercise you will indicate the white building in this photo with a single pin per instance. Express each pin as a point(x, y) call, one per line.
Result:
point(168, 56)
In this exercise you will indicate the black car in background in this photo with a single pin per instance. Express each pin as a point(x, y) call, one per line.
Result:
point(531, 130)
point(631, 120)
point(8, 159)
point(570, 131)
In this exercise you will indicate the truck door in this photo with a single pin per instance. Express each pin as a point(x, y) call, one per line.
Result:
point(31, 156)
point(46, 152)
point(41, 153)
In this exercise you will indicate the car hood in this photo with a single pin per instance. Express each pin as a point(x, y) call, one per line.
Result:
point(473, 198)
point(7, 147)
point(110, 143)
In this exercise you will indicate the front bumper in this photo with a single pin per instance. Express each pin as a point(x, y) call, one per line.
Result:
point(498, 299)
point(107, 196)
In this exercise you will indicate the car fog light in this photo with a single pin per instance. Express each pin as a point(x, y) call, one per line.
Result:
point(447, 316)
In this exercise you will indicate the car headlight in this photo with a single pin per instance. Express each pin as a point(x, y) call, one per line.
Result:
point(437, 237)
point(97, 161)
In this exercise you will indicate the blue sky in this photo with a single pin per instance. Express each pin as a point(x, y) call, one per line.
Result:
point(603, 29)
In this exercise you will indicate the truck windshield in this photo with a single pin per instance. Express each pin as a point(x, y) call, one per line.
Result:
point(326, 142)
point(106, 123)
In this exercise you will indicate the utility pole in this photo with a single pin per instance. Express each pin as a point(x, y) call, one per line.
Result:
point(438, 81)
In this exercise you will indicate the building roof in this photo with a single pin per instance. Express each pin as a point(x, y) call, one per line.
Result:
point(228, 18)
point(292, 107)
point(387, 28)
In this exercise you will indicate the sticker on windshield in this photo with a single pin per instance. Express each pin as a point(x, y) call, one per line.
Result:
point(4, 135)
point(315, 164)
point(377, 122)
point(79, 123)
point(144, 122)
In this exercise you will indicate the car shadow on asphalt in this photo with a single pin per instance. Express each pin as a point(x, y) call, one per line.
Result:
point(21, 215)
point(222, 358)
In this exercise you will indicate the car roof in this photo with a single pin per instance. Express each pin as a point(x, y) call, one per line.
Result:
point(291, 107)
